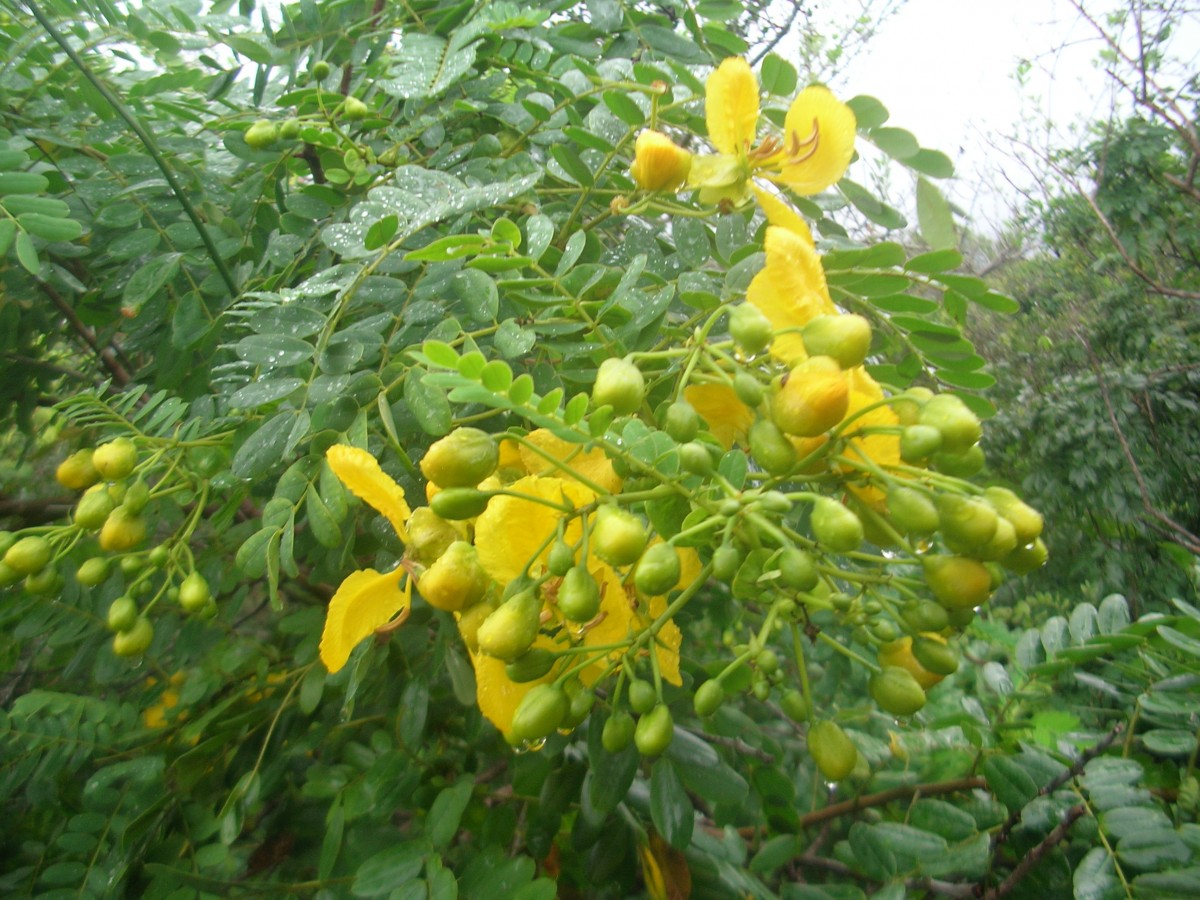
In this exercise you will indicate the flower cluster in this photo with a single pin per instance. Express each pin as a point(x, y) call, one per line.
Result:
point(780, 456)
point(812, 154)
point(493, 570)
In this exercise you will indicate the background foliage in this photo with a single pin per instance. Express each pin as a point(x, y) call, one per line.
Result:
point(235, 309)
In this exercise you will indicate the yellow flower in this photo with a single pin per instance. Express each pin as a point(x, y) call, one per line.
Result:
point(658, 163)
point(814, 152)
point(497, 695)
point(567, 460)
point(818, 141)
point(621, 617)
point(155, 716)
point(511, 530)
point(790, 291)
point(514, 530)
point(881, 449)
point(512, 535)
point(728, 418)
point(366, 599)
point(779, 213)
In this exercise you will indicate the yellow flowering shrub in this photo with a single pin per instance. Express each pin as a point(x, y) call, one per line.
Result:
point(752, 447)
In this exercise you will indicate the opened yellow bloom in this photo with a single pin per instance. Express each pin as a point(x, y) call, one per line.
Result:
point(790, 291)
point(658, 163)
point(882, 449)
point(366, 599)
point(728, 418)
point(515, 533)
point(622, 616)
point(544, 453)
point(818, 141)
point(514, 530)
point(498, 695)
point(813, 153)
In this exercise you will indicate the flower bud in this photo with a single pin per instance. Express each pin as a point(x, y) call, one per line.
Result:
point(463, 458)
point(814, 398)
point(456, 580)
point(658, 163)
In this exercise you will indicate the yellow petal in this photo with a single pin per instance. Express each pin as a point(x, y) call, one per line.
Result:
point(622, 617)
point(731, 106)
point(881, 449)
point(664, 870)
point(818, 141)
point(568, 460)
point(364, 601)
point(360, 472)
point(669, 640)
point(723, 173)
point(658, 163)
point(497, 695)
point(510, 455)
point(790, 291)
point(652, 876)
point(728, 418)
point(779, 213)
point(689, 567)
point(512, 529)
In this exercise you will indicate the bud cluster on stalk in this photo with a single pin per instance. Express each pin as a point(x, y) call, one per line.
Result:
point(107, 546)
point(820, 501)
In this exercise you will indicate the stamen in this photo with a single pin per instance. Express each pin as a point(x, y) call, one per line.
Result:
point(810, 144)
point(769, 147)
point(389, 627)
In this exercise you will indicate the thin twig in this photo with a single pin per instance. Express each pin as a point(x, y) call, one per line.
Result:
point(1185, 537)
point(35, 512)
point(780, 33)
point(1034, 856)
point(1182, 125)
point(934, 885)
point(846, 807)
point(897, 793)
point(1059, 780)
point(109, 356)
point(739, 746)
point(1151, 282)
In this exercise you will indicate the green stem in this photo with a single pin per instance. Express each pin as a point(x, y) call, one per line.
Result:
point(802, 668)
point(847, 652)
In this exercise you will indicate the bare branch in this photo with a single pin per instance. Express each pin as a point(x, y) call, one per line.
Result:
point(1150, 281)
point(932, 885)
point(897, 793)
point(1176, 117)
point(780, 34)
point(1180, 534)
point(109, 356)
point(1055, 783)
point(1034, 856)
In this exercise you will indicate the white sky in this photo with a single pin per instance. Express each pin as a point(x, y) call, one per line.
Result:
point(946, 70)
